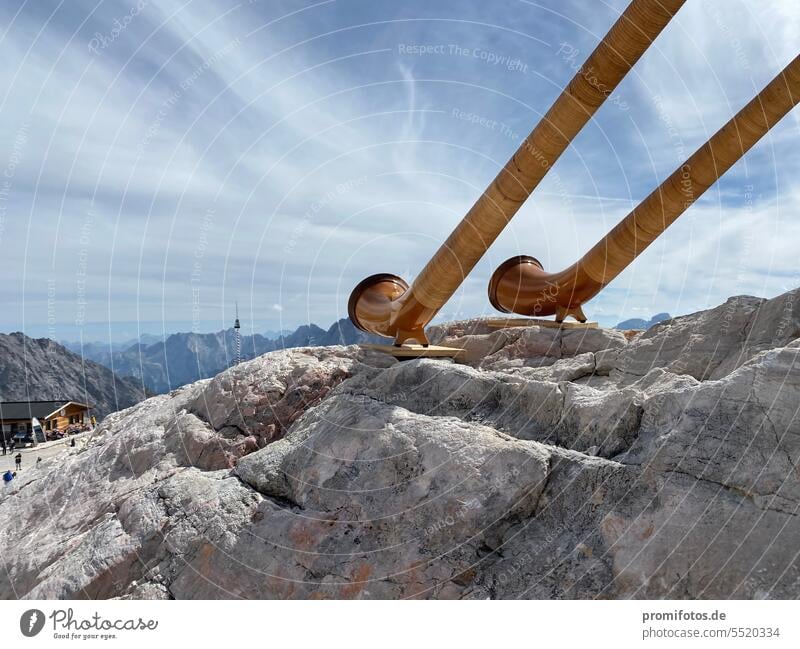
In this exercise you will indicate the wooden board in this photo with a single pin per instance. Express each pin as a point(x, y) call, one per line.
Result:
point(415, 351)
point(505, 323)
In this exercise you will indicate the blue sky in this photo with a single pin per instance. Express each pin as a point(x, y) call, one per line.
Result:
point(162, 160)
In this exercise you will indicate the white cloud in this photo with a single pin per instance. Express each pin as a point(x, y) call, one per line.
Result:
point(310, 153)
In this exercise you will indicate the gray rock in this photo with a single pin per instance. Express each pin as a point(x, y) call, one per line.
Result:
point(711, 344)
point(547, 464)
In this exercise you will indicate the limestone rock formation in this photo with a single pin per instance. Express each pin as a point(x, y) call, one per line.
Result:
point(547, 464)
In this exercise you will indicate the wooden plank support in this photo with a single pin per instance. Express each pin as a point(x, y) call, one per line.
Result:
point(506, 323)
point(404, 352)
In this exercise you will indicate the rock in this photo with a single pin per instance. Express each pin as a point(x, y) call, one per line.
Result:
point(264, 399)
point(393, 487)
point(710, 344)
point(545, 464)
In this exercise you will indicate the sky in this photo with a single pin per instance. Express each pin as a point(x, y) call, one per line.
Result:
point(162, 160)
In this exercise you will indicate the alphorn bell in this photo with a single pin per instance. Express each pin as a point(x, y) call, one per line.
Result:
point(520, 285)
point(385, 305)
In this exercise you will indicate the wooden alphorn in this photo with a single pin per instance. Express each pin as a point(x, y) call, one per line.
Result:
point(520, 285)
point(384, 304)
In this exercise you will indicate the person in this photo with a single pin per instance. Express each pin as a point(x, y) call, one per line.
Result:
point(8, 476)
point(38, 461)
point(18, 460)
point(72, 442)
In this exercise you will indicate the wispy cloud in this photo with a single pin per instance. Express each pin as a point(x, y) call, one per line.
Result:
point(280, 151)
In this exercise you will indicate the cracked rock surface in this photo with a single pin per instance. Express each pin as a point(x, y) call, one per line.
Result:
point(545, 464)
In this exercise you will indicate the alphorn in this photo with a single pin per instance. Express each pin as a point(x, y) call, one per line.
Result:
point(521, 285)
point(385, 305)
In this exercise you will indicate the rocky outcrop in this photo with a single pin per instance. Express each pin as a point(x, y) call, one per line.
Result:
point(38, 369)
point(547, 464)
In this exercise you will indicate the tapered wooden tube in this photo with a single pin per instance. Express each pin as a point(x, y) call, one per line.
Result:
point(520, 285)
point(383, 304)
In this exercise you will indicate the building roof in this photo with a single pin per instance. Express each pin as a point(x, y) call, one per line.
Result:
point(64, 405)
point(30, 409)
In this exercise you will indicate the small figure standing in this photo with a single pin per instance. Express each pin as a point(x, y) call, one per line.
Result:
point(38, 461)
point(72, 442)
point(18, 460)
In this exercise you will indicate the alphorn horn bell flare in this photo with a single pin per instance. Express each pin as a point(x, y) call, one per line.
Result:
point(521, 285)
point(384, 304)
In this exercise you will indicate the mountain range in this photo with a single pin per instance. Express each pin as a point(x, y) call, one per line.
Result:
point(182, 358)
point(39, 369)
point(640, 323)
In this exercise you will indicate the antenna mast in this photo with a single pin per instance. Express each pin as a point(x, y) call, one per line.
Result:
point(237, 337)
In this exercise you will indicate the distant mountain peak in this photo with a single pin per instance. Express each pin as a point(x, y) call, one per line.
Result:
point(640, 323)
